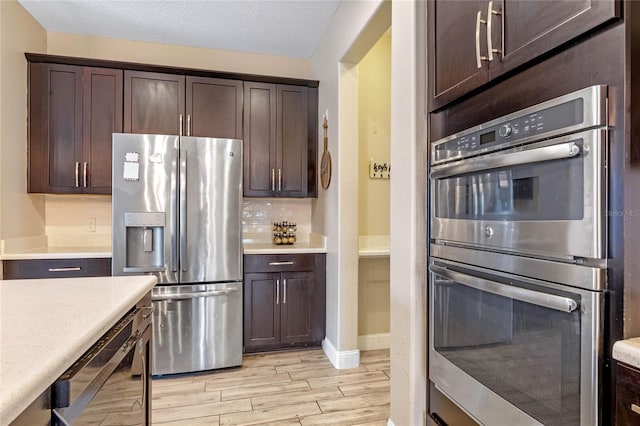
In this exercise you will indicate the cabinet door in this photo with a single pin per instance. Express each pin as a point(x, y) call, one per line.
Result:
point(153, 103)
point(627, 396)
point(55, 128)
point(261, 310)
point(259, 140)
point(291, 151)
point(453, 57)
point(214, 107)
point(102, 116)
point(296, 309)
point(532, 28)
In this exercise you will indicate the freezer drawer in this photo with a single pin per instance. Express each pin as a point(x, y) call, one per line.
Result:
point(197, 327)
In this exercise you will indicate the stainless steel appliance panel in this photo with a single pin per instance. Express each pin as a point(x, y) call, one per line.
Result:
point(154, 191)
point(546, 199)
point(110, 384)
point(544, 371)
point(197, 327)
point(210, 205)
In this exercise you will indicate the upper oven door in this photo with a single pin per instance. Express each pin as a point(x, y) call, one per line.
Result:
point(546, 199)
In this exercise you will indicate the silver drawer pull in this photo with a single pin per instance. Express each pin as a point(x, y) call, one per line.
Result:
point(72, 268)
point(635, 408)
point(288, 262)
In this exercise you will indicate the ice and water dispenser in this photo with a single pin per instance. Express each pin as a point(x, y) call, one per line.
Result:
point(144, 236)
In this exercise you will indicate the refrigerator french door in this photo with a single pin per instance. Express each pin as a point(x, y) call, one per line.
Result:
point(176, 215)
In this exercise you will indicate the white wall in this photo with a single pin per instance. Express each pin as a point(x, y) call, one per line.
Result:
point(354, 29)
point(408, 214)
point(21, 215)
point(346, 40)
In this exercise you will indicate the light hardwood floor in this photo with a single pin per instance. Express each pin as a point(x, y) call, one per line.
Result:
point(281, 388)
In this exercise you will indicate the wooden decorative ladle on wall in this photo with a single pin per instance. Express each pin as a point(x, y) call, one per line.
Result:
point(325, 164)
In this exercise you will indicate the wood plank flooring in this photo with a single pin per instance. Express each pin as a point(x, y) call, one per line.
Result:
point(279, 388)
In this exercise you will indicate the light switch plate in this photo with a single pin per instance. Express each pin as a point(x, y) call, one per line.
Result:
point(379, 169)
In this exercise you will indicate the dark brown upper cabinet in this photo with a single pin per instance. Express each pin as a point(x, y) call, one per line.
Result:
point(73, 111)
point(474, 42)
point(177, 105)
point(279, 147)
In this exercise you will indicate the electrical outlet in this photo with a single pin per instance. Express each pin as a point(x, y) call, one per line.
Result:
point(91, 224)
point(379, 169)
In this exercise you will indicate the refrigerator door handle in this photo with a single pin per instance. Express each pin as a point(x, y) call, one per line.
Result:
point(183, 210)
point(174, 216)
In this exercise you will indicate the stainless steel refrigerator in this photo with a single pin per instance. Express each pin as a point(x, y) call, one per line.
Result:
point(176, 215)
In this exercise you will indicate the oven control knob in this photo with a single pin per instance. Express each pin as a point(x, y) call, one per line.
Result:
point(505, 130)
point(488, 232)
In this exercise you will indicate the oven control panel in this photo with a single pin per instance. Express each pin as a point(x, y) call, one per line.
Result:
point(565, 114)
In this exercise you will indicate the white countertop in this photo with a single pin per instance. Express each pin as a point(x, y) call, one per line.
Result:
point(373, 246)
point(59, 253)
point(628, 351)
point(47, 324)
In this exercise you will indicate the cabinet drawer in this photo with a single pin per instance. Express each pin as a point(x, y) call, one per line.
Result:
point(627, 395)
point(56, 268)
point(279, 262)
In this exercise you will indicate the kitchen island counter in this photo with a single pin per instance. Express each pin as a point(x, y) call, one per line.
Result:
point(47, 324)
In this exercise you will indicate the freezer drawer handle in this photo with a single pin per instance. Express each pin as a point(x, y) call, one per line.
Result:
point(288, 262)
point(69, 269)
point(551, 301)
point(132, 270)
point(195, 294)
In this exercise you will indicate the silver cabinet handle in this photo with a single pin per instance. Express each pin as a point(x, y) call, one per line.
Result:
point(273, 180)
point(143, 375)
point(479, 58)
point(180, 125)
point(277, 292)
point(142, 270)
point(279, 180)
point(69, 269)
point(77, 174)
point(288, 262)
point(490, 13)
point(635, 408)
point(183, 210)
point(188, 124)
point(284, 297)
point(551, 301)
point(536, 155)
point(84, 174)
point(195, 294)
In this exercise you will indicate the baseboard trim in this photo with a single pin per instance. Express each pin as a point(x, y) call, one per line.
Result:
point(341, 359)
point(368, 342)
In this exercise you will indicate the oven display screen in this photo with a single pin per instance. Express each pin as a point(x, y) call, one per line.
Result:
point(488, 137)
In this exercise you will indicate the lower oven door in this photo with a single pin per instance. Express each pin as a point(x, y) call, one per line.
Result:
point(546, 199)
point(514, 351)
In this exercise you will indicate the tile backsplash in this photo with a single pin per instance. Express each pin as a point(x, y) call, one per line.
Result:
point(259, 214)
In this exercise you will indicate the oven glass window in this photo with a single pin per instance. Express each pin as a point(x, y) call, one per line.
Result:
point(527, 354)
point(551, 190)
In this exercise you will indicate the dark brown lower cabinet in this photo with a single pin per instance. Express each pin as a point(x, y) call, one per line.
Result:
point(55, 268)
point(627, 395)
point(283, 308)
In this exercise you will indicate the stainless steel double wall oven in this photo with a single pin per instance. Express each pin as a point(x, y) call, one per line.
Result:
point(518, 263)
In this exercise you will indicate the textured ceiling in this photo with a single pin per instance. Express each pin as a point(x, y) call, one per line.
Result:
point(273, 27)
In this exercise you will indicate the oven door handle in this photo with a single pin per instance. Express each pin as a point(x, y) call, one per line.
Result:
point(551, 301)
point(536, 155)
